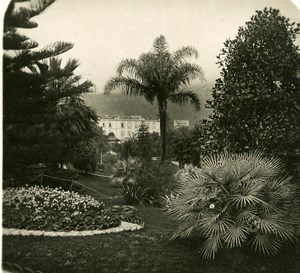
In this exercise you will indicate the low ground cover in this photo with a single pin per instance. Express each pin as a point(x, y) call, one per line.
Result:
point(148, 250)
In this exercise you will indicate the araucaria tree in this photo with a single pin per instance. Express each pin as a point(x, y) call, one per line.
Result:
point(161, 77)
point(256, 102)
point(43, 113)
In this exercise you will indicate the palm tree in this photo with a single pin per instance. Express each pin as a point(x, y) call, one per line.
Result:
point(160, 77)
point(235, 200)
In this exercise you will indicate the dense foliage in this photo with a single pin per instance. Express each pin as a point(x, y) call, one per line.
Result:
point(160, 77)
point(235, 200)
point(183, 145)
point(44, 208)
point(44, 114)
point(146, 144)
point(124, 170)
point(148, 182)
point(88, 153)
point(256, 102)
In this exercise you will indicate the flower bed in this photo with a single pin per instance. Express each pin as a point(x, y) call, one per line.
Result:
point(47, 209)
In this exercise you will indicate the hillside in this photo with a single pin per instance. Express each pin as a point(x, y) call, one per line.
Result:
point(117, 104)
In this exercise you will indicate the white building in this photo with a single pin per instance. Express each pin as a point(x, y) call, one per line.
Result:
point(126, 126)
point(181, 123)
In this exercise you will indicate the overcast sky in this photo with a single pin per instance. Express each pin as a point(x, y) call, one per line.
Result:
point(107, 31)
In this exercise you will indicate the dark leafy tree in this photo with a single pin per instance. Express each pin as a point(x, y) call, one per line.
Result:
point(160, 77)
point(43, 112)
point(180, 145)
point(256, 102)
point(143, 142)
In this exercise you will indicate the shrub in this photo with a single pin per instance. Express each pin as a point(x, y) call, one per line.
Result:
point(144, 181)
point(157, 177)
point(235, 199)
point(127, 214)
point(152, 180)
point(133, 193)
point(44, 208)
point(124, 170)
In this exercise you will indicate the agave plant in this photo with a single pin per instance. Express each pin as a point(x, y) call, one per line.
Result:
point(234, 200)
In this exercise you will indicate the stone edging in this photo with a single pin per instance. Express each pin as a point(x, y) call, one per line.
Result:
point(125, 226)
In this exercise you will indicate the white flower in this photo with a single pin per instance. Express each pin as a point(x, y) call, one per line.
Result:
point(212, 206)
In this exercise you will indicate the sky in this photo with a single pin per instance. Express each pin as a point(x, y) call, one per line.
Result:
point(106, 32)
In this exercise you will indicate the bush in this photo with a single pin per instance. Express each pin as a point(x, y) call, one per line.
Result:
point(124, 170)
point(109, 158)
point(149, 182)
point(133, 193)
point(127, 214)
point(157, 177)
point(235, 199)
point(43, 208)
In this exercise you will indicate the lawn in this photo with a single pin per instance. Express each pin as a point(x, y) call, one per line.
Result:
point(147, 250)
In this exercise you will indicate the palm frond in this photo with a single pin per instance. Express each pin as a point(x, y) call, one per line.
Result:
point(127, 65)
point(211, 246)
point(184, 97)
point(184, 52)
point(129, 86)
point(213, 224)
point(243, 201)
point(160, 44)
point(183, 74)
point(265, 244)
point(273, 225)
point(247, 215)
point(183, 231)
point(235, 235)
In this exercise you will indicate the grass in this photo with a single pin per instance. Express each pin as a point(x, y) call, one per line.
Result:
point(145, 251)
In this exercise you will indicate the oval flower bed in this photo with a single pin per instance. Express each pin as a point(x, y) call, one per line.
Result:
point(45, 209)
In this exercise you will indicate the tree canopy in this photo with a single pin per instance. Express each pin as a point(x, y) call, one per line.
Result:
point(256, 102)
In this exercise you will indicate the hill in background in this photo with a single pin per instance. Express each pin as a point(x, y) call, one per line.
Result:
point(117, 104)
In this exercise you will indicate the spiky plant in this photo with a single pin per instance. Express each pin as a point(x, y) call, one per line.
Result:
point(234, 200)
point(124, 172)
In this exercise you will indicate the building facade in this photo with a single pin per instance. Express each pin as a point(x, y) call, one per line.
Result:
point(181, 123)
point(126, 126)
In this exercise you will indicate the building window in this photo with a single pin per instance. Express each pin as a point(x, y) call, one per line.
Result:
point(109, 125)
point(103, 124)
point(122, 125)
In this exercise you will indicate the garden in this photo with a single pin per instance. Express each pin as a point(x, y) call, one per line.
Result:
point(223, 215)
point(219, 196)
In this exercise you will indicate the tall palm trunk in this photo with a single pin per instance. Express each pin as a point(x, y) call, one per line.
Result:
point(163, 131)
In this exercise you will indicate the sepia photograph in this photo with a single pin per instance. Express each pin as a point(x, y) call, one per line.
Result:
point(147, 136)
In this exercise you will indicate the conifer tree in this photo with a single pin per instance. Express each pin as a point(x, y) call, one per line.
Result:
point(144, 149)
point(43, 112)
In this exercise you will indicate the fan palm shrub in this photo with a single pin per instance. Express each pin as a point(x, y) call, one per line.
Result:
point(235, 200)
